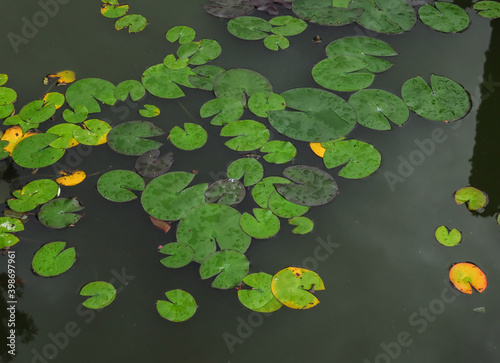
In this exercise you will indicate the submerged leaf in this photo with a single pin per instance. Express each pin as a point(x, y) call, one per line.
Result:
point(225, 191)
point(151, 164)
point(228, 8)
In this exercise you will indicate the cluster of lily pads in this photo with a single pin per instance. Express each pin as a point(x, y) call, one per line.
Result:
point(134, 22)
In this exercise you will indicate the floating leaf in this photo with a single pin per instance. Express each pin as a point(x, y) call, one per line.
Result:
point(173, 63)
point(228, 8)
point(16, 120)
point(488, 9)
point(284, 208)
point(313, 186)
point(444, 100)
point(34, 193)
point(166, 198)
point(7, 96)
point(63, 77)
point(114, 11)
point(278, 152)
point(304, 225)
point(249, 27)
point(58, 213)
point(200, 52)
point(163, 82)
point(158, 223)
point(226, 110)
point(71, 178)
point(6, 110)
point(444, 17)
point(204, 76)
point(250, 135)
point(251, 169)
point(117, 185)
point(263, 189)
point(260, 103)
point(78, 115)
point(54, 98)
point(149, 111)
point(240, 84)
point(192, 137)
point(208, 224)
point(3, 78)
point(446, 238)
point(35, 152)
point(9, 225)
point(13, 135)
point(320, 115)
point(230, 266)
point(85, 92)
point(131, 88)
point(475, 198)
point(375, 108)
point(465, 276)
point(325, 12)
point(260, 298)
point(50, 260)
point(135, 23)
point(103, 294)
point(65, 133)
point(181, 306)
point(276, 42)
point(36, 112)
point(293, 287)
point(385, 16)
point(151, 164)
point(342, 73)
point(95, 132)
point(362, 158)
point(181, 254)
point(181, 33)
point(287, 25)
point(225, 191)
point(264, 225)
point(129, 138)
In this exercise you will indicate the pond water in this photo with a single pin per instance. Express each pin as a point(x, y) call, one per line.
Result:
point(387, 297)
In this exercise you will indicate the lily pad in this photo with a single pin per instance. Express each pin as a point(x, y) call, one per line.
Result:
point(209, 224)
point(444, 17)
point(6, 110)
point(249, 27)
point(180, 254)
point(36, 112)
point(34, 193)
point(117, 185)
point(65, 133)
point(278, 152)
point(276, 42)
point(230, 266)
point(376, 107)
point(35, 152)
point(225, 191)
point(260, 103)
point(287, 25)
point(284, 208)
point(114, 11)
point(385, 16)
point(71, 177)
point(228, 8)
point(131, 88)
point(167, 198)
point(475, 198)
point(151, 164)
point(325, 12)
point(192, 137)
point(293, 287)
point(260, 297)
point(362, 158)
point(129, 138)
point(86, 92)
point(7, 96)
point(304, 225)
point(9, 225)
point(135, 23)
point(264, 225)
point(181, 33)
point(488, 9)
point(163, 82)
point(95, 132)
point(52, 259)
point(54, 98)
point(204, 76)
point(102, 294)
point(320, 115)
point(313, 186)
point(181, 306)
point(250, 135)
point(263, 189)
point(200, 52)
point(465, 276)
point(241, 84)
point(342, 73)
point(78, 115)
point(225, 109)
point(449, 239)
point(444, 100)
point(149, 111)
point(3, 78)
point(250, 169)
point(58, 213)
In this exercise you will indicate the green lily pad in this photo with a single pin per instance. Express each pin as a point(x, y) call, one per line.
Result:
point(114, 11)
point(276, 42)
point(8, 225)
point(65, 133)
point(134, 22)
point(287, 25)
point(284, 208)
point(181, 33)
point(163, 82)
point(192, 137)
point(54, 98)
point(304, 225)
point(293, 287)
point(52, 260)
point(312, 186)
point(450, 239)
point(34, 193)
point(264, 225)
point(131, 88)
point(325, 12)
point(95, 132)
point(488, 9)
point(149, 111)
point(3, 78)
point(376, 107)
point(444, 17)
point(362, 158)
point(200, 52)
point(260, 103)
point(250, 169)
point(260, 297)
point(226, 110)
point(86, 92)
point(181, 306)
point(78, 115)
point(342, 73)
point(180, 254)
point(385, 16)
point(151, 164)
point(16, 120)
point(7, 96)
point(241, 84)
point(173, 63)
point(444, 100)
point(209, 224)
point(263, 189)
point(102, 294)
point(129, 138)
point(117, 185)
point(475, 198)
point(6, 110)
point(204, 76)
point(58, 213)
point(225, 191)
point(166, 198)
point(365, 48)
point(278, 152)
point(249, 27)
point(230, 266)
point(35, 152)
point(250, 135)
point(320, 115)
point(36, 112)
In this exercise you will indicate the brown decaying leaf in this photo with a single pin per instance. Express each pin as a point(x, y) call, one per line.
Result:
point(164, 226)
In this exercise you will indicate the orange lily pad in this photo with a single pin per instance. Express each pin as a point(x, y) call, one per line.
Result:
point(465, 276)
point(317, 149)
point(14, 135)
point(71, 178)
point(63, 77)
